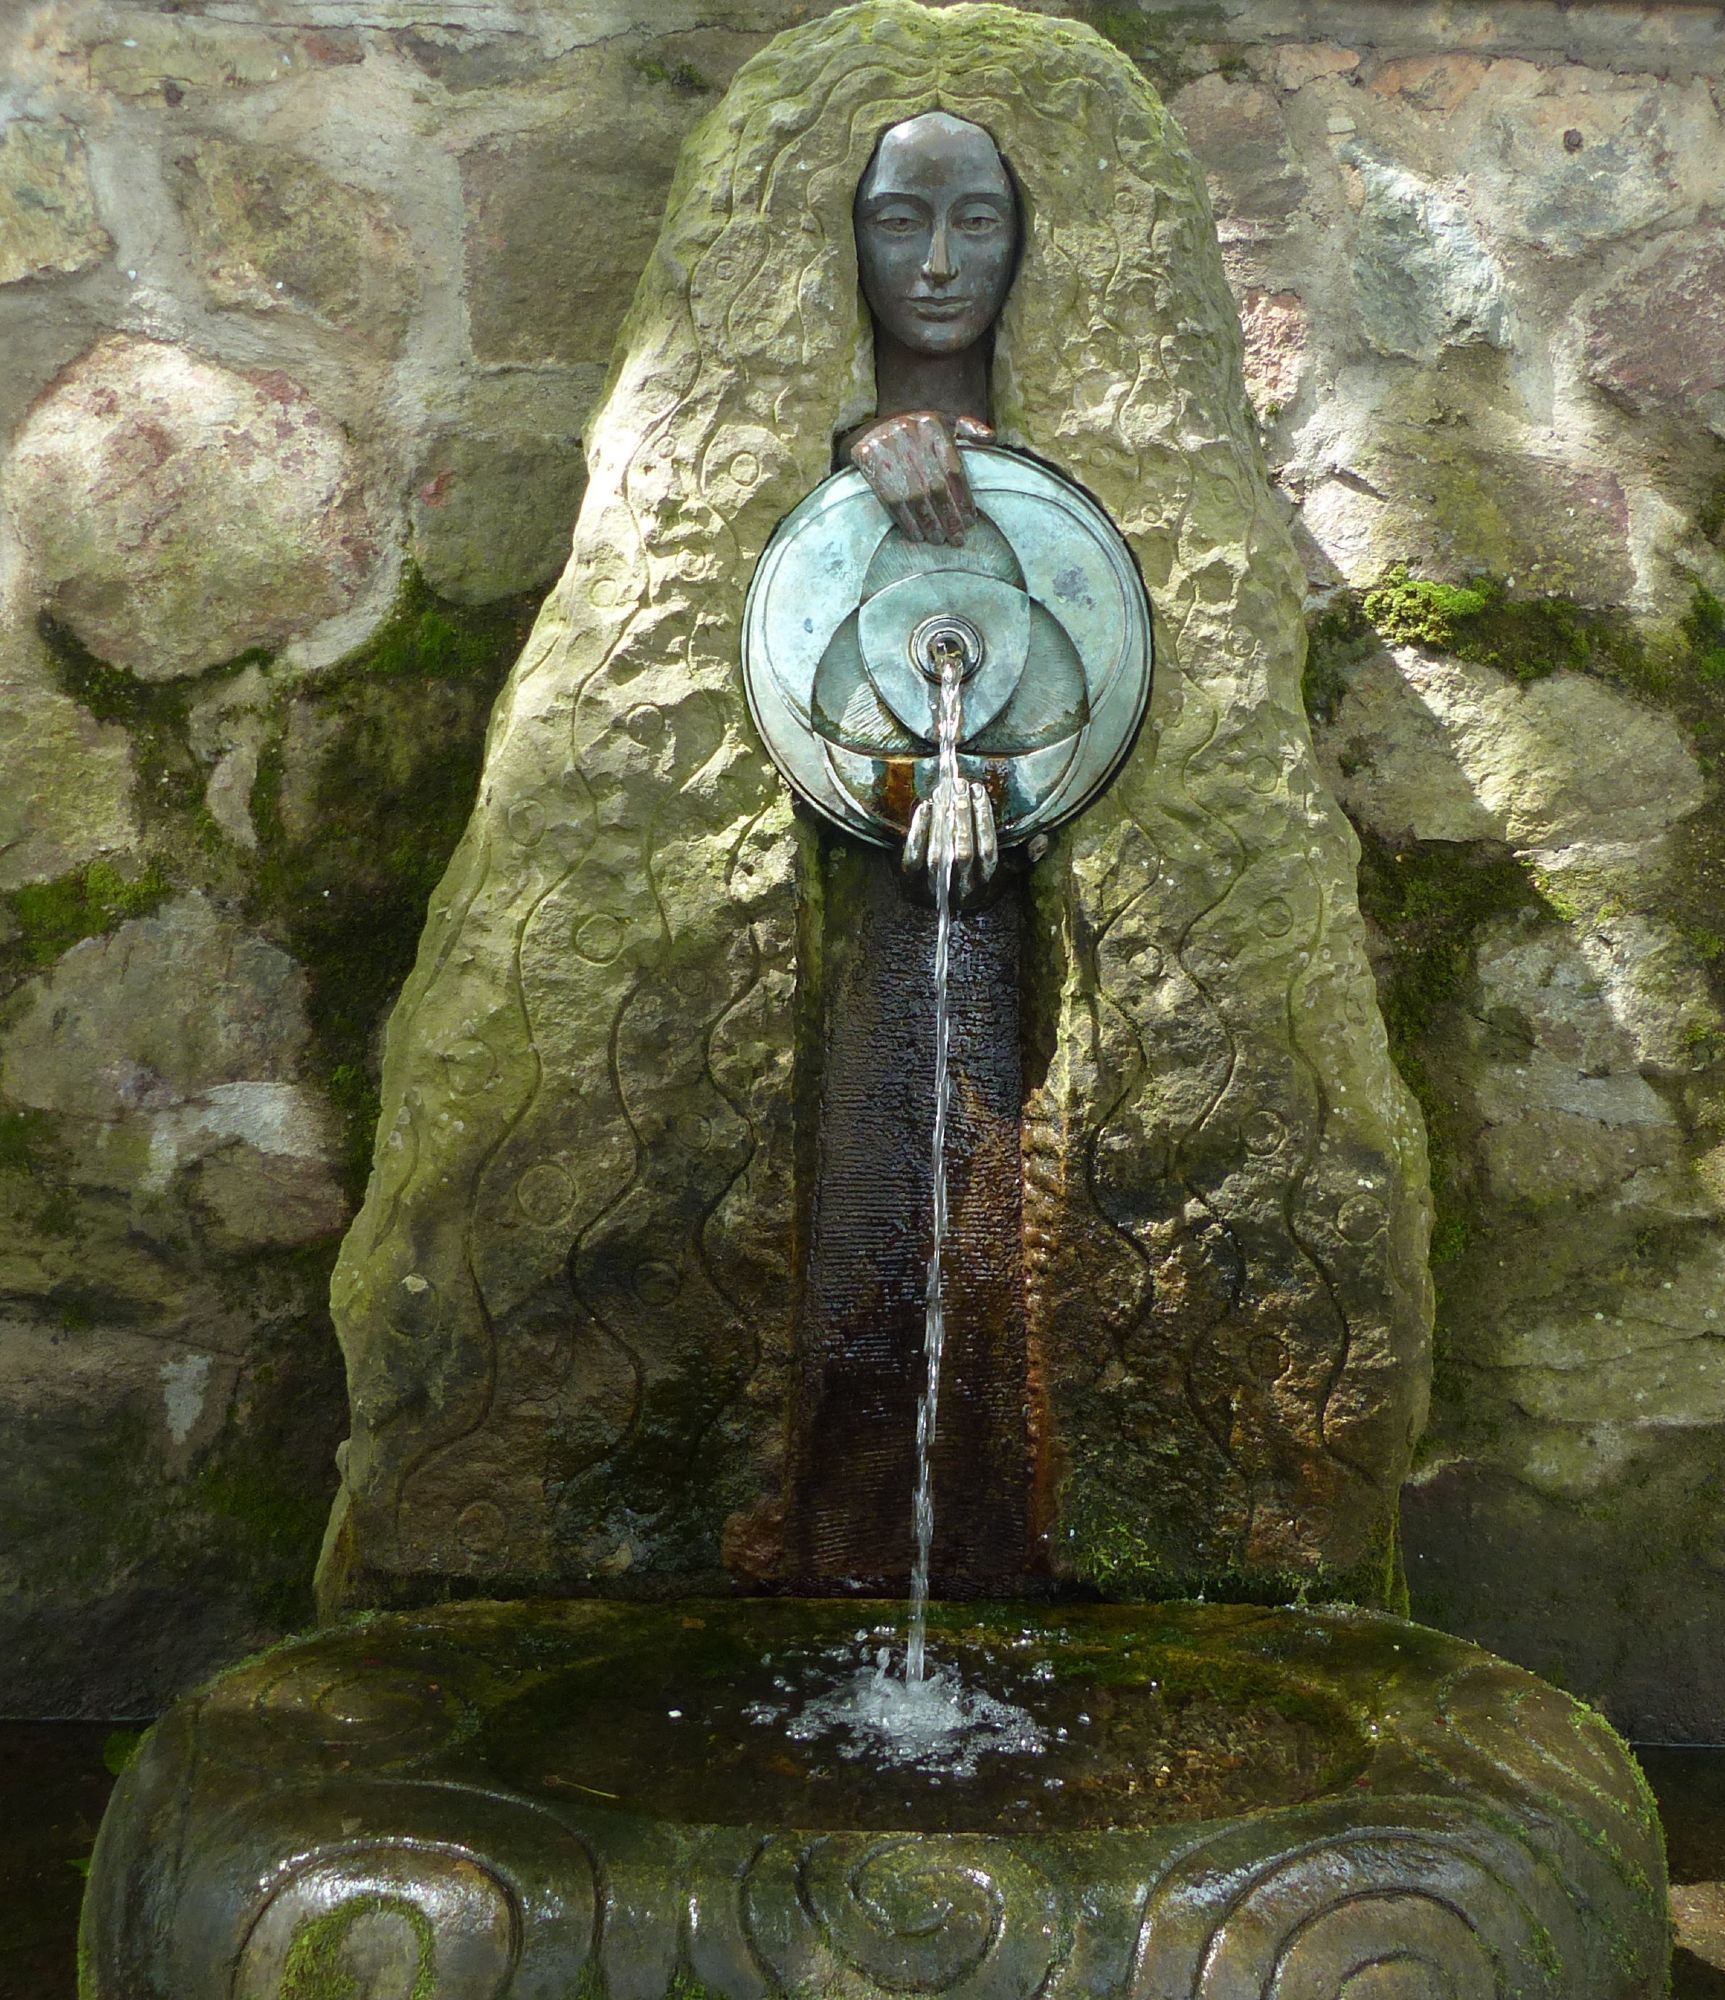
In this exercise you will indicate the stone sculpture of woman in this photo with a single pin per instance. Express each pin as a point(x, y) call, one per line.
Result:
point(571, 1303)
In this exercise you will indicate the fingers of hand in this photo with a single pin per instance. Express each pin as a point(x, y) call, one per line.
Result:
point(916, 840)
point(974, 431)
point(987, 835)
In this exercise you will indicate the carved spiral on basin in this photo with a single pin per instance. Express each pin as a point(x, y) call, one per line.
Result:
point(381, 1920)
point(1425, 1902)
point(963, 1917)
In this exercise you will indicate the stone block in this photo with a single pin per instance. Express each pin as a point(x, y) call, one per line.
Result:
point(47, 209)
point(168, 1052)
point(1655, 334)
point(559, 224)
point(1451, 507)
point(271, 230)
point(1277, 326)
point(1439, 749)
point(1423, 279)
point(175, 513)
point(1237, 130)
point(1617, 1592)
point(493, 515)
point(66, 780)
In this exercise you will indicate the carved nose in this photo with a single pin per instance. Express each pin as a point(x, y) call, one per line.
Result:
point(938, 263)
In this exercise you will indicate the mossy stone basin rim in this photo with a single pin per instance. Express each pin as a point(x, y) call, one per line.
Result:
point(490, 1800)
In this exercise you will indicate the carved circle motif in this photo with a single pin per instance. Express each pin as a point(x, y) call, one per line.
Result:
point(469, 1065)
point(1262, 1131)
point(480, 1528)
point(545, 1194)
point(1404, 1905)
point(645, 723)
point(963, 1916)
point(599, 938)
point(526, 821)
point(1360, 1218)
point(392, 1918)
point(656, 1283)
point(1275, 917)
point(414, 1306)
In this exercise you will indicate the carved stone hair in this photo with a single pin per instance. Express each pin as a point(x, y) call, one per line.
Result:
point(567, 1304)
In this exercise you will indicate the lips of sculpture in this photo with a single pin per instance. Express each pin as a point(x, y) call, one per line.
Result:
point(936, 230)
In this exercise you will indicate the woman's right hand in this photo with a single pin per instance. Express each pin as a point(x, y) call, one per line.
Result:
point(914, 468)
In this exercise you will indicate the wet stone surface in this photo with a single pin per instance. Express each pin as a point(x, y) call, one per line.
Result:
point(1020, 1729)
point(583, 1796)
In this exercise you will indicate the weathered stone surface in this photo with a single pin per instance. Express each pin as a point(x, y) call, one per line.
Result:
point(567, 1310)
point(138, 53)
point(47, 211)
point(492, 516)
point(169, 1053)
point(499, 1788)
point(1598, 1589)
point(1642, 153)
point(1238, 133)
point(65, 779)
point(1423, 280)
point(541, 286)
point(273, 230)
point(175, 513)
point(1656, 334)
point(1439, 749)
point(1453, 507)
point(1277, 327)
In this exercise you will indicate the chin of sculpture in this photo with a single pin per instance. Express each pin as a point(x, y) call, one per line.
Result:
point(633, 1312)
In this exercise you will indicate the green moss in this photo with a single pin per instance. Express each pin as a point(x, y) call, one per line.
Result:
point(1527, 638)
point(53, 916)
point(1109, 1546)
point(1337, 638)
point(383, 798)
point(426, 638)
point(1429, 901)
point(27, 1142)
point(1703, 625)
point(119, 1747)
point(313, 1968)
point(682, 76)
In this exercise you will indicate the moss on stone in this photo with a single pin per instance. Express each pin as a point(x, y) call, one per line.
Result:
point(1109, 1545)
point(427, 638)
point(1338, 637)
point(1429, 901)
point(402, 726)
point(1479, 621)
point(53, 916)
point(679, 76)
point(313, 1968)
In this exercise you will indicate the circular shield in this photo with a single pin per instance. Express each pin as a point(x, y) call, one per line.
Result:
point(847, 619)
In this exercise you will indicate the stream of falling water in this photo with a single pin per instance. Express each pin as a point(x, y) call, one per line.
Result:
point(949, 796)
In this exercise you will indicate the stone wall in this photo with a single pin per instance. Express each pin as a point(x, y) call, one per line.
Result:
point(303, 321)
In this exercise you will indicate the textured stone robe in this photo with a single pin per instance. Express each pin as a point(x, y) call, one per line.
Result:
point(567, 1306)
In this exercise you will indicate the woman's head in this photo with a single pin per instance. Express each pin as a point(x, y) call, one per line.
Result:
point(937, 233)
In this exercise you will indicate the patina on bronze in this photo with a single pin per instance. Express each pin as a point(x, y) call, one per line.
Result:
point(937, 239)
point(937, 540)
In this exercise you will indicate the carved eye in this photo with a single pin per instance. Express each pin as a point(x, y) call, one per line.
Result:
point(978, 222)
point(895, 224)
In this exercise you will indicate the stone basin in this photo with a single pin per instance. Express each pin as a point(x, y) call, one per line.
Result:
point(570, 1800)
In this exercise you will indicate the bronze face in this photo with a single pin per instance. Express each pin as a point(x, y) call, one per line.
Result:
point(937, 232)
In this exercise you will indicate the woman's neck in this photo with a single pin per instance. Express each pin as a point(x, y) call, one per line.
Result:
point(954, 385)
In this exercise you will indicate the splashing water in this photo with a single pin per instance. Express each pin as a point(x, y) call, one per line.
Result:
point(949, 796)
